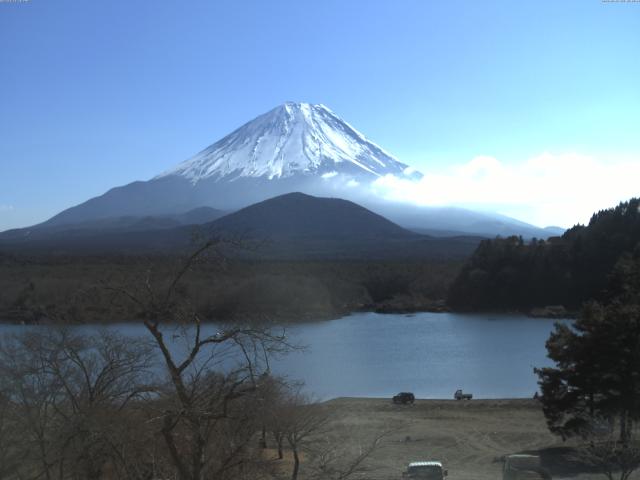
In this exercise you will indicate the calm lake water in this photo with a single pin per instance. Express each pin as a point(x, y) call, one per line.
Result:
point(430, 354)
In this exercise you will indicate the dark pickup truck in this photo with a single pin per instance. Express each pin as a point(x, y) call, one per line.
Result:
point(462, 396)
point(404, 398)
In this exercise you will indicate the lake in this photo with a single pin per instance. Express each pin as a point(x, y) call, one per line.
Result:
point(430, 354)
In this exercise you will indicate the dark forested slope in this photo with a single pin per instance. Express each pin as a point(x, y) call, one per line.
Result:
point(509, 274)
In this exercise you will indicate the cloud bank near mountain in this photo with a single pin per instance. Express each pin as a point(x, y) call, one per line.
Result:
point(549, 189)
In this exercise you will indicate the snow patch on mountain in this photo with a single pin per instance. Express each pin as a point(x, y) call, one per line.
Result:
point(294, 138)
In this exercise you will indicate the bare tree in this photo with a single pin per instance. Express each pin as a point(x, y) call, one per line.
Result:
point(610, 456)
point(9, 435)
point(103, 406)
point(306, 428)
point(276, 406)
point(64, 390)
point(301, 421)
point(213, 372)
point(35, 397)
point(330, 460)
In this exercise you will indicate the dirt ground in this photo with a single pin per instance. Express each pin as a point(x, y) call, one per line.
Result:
point(468, 437)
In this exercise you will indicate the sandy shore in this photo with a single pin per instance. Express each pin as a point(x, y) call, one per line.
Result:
point(468, 437)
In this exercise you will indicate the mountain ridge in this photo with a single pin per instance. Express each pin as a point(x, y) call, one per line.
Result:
point(290, 226)
point(295, 147)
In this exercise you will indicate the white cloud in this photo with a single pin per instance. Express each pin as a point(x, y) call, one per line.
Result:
point(549, 189)
point(6, 208)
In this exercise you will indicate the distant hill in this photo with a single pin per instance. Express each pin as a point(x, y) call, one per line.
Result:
point(511, 273)
point(459, 220)
point(297, 215)
point(290, 226)
point(110, 225)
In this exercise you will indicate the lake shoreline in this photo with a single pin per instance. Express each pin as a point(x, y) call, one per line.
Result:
point(383, 308)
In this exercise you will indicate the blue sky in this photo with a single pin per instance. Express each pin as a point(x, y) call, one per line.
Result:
point(98, 94)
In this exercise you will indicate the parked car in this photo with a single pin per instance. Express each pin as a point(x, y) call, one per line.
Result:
point(524, 467)
point(404, 398)
point(427, 470)
point(459, 395)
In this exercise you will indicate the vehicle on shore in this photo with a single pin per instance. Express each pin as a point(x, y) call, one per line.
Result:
point(524, 467)
point(425, 470)
point(460, 395)
point(404, 398)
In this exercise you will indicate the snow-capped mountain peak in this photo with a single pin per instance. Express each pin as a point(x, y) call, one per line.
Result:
point(292, 139)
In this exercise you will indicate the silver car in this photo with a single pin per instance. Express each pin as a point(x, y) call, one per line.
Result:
point(427, 470)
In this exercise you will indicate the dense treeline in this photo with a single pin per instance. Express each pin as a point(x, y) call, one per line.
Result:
point(33, 289)
point(592, 391)
point(597, 361)
point(511, 274)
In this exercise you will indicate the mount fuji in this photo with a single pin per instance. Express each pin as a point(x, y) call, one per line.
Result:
point(294, 139)
point(295, 147)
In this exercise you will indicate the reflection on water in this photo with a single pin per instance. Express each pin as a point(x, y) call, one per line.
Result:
point(430, 354)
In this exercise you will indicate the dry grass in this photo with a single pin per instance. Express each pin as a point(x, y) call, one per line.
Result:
point(468, 437)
